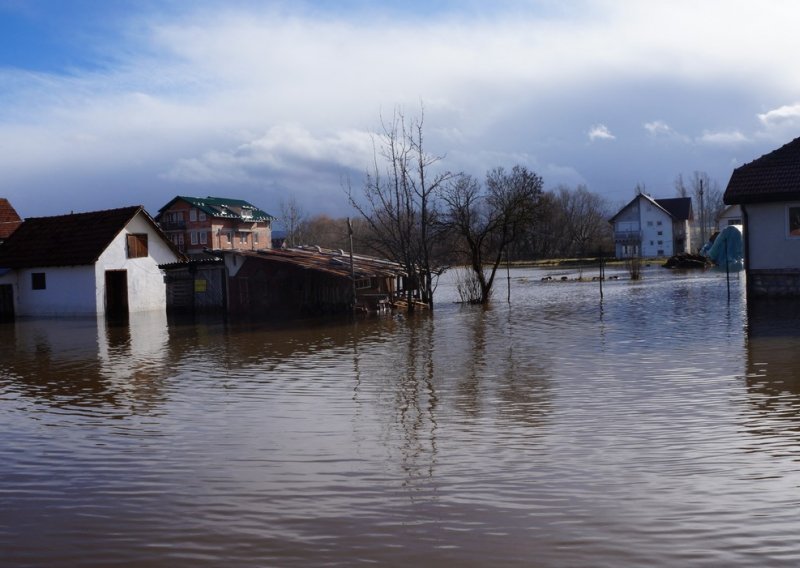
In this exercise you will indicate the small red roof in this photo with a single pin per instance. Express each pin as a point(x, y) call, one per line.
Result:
point(76, 239)
point(9, 220)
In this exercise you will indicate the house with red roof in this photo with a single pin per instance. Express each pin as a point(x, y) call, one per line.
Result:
point(652, 228)
point(85, 264)
point(9, 220)
point(768, 193)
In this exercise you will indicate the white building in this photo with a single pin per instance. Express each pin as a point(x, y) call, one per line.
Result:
point(651, 228)
point(101, 262)
point(768, 192)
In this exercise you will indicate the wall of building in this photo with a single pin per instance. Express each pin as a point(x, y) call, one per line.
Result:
point(656, 231)
point(68, 291)
point(146, 287)
point(770, 245)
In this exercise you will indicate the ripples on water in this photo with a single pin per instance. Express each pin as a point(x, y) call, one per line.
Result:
point(658, 428)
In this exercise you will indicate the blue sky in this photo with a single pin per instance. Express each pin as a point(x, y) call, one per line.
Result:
point(112, 103)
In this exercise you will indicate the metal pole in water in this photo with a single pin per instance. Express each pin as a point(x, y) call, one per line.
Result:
point(508, 278)
point(602, 274)
point(728, 270)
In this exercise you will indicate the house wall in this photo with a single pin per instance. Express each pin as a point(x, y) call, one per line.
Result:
point(773, 261)
point(770, 245)
point(215, 229)
point(69, 291)
point(654, 221)
point(146, 287)
point(731, 216)
point(627, 231)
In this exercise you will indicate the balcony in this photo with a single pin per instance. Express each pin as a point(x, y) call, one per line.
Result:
point(173, 225)
point(627, 236)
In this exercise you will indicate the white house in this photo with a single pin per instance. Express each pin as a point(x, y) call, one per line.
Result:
point(101, 262)
point(731, 215)
point(651, 228)
point(768, 192)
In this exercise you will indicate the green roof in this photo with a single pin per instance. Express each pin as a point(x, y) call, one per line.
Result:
point(224, 208)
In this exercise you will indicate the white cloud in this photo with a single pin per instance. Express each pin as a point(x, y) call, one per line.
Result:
point(723, 138)
point(231, 95)
point(659, 128)
point(600, 132)
point(781, 116)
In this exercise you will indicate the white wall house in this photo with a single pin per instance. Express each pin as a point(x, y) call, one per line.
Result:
point(101, 262)
point(768, 192)
point(731, 215)
point(651, 228)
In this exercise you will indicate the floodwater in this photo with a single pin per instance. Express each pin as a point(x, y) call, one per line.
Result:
point(660, 427)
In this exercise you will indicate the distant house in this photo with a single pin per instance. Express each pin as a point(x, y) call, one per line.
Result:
point(309, 281)
point(9, 220)
point(731, 215)
point(195, 224)
point(101, 262)
point(768, 192)
point(650, 228)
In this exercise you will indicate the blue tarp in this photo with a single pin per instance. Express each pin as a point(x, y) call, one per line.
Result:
point(728, 250)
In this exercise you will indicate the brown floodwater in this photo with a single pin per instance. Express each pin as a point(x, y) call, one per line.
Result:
point(660, 427)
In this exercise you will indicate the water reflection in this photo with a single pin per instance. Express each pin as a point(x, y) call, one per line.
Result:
point(773, 369)
point(554, 431)
point(86, 363)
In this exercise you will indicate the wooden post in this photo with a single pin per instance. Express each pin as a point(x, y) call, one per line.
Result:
point(352, 267)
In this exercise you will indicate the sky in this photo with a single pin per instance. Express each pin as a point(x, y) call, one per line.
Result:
point(109, 103)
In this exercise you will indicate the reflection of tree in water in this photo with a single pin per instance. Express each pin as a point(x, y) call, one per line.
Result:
point(416, 402)
point(504, 368)
point(773, 369)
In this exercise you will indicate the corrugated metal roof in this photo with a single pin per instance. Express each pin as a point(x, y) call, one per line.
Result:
point(334, 262)
point(224, 208)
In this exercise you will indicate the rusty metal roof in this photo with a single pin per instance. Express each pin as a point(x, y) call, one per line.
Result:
point(334, 262)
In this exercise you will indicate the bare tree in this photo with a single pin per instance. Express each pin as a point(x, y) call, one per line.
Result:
point(488, 219)
point(707, 198)
point(292, 219)
point(584, 216)
point(399, 201)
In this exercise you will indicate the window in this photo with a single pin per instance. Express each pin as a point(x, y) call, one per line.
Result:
point(203, 237)
point(660, 252)
point(658, 223)
point(38, 281)
point(649, 223)
point(660, 233)
point(192, 214)
point(793, 220)
point(228, 236)
point(660, 242)
point(193, 236)
point(255, 238)
point(651, 243)
point(201, 216)
point(137, 245)
point(243, 238)
point(362, 283)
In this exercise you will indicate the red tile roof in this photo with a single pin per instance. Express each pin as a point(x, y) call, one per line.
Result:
point(772, 177)
point(9, 220)
point(66, 240)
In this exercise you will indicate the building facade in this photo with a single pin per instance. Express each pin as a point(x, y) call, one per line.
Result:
point(196, 224)
point(85, 264)
point(768, 192)
point(651, 228)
